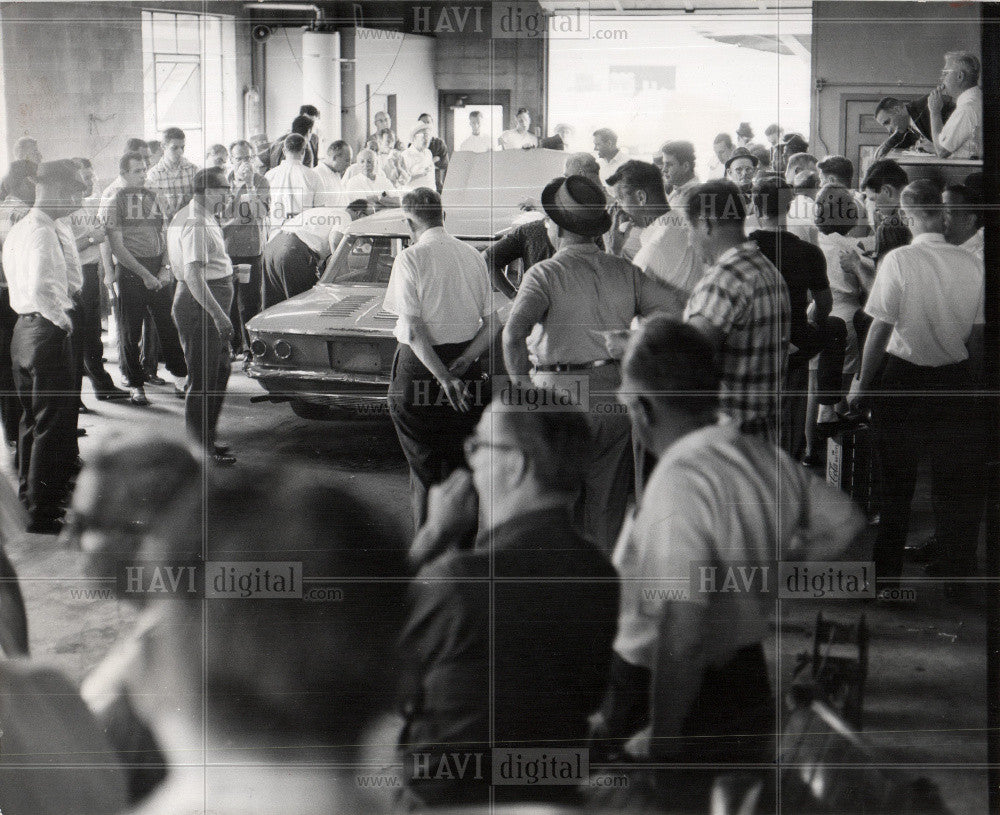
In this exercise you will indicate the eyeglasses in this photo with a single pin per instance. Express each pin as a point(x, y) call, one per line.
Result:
point(473, 444)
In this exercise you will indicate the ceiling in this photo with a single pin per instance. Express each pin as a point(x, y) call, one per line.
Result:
point(639, 7)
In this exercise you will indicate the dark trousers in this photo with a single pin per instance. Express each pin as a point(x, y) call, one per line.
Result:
point(87, 336)
point(150, 353)
point(134, 301)
point(246, 303)
point(207, 358)
point(920, 412)
point(10, 405)
point(40, 352)
point(290, 268)
point(430, 431)
point(829, 342)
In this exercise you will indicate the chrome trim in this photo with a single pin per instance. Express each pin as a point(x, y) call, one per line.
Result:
point(256, 371)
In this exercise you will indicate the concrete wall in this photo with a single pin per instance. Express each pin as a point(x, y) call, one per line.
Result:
point(282, 79)
point(879, 49)
point(73, 75)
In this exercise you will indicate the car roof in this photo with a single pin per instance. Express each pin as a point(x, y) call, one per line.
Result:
point(483, 193)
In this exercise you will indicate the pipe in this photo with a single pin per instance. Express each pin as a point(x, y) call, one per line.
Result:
point(282, 6)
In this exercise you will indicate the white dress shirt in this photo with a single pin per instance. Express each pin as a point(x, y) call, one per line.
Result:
point(331, 192)
point(931, 292)
point(477, 144)
point(975, 245)
point(442, 280)
point(195, 236)
point(678, 195)
point(962, 134)
point(361, 186)
point(84, 221)
point(42, 268)
point(293, 189)
point(420, 166)
point(667, 253)
point(314, 227)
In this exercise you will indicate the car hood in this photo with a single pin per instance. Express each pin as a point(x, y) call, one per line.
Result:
point(326, 309)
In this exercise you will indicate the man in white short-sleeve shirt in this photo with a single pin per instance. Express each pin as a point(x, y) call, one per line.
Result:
point(197, 249)
point(927, 309)
point(962, 135)
point(440, 290)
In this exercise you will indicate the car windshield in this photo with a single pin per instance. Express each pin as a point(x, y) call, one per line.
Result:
point(364, 259)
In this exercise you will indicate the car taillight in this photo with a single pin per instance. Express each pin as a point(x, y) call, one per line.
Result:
point(258, 348)
point(282, 350)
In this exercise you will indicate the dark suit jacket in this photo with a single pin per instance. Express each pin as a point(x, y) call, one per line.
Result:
point(545, 643)
point(905, 139)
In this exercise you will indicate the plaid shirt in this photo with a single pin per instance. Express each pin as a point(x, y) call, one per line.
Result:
point(173, 185)
point(745, 297)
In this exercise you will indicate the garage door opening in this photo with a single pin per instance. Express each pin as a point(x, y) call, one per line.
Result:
point(690, 77)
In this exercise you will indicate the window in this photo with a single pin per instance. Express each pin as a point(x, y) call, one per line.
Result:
point(189, 77)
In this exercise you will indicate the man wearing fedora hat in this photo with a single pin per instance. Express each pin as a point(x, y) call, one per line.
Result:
point(740, 169)
point(43, 272)
point(577, 297)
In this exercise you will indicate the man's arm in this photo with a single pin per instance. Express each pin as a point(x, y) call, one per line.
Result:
point(935, 104)
point(823, 305)
point(501, 254)
point(871, 362)
point(452, 510)
point(128, 260)
point(419, 340)
point(479, 344)
point(527, 312)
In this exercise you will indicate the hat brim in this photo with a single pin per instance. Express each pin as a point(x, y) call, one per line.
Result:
point(749, 156)
point(591, 227)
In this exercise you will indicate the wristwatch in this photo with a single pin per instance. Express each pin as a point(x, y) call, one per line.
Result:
point(91, 241)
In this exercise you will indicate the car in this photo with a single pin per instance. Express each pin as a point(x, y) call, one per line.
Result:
point(330, 349)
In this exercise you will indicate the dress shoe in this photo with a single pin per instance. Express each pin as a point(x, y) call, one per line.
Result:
point(83, 409)
point(137, 396)
point(180, 388)
point(105, 394)
point(156, 380)
point(223, 459)
point(220, 449)
point(81, 432)
point(45, 526)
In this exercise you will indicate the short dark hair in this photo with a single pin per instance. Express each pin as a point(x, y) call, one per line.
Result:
point(640, 175)
point(683, 151)
point(424, 204)
point(294, 143)
point(241, 143)
point(20, 179)
point(887, 103)
point(358, 205)
point(836, 210)
point(673, 363)
point(173, 134)
point(522, 110)
point(806, 181)
point(794, 143)
point(725, 137)
point(762, 154)
point(774, 128)
point(339, 144)
point(83, 163)
point(771, 195)
point(969, 199)
point(134, 145)
point(128, 158)
point(423, 115)
point(922, 195)
point(556, 443)
point(284, 670)
point(154, 145)
point(718, 200)
point(211, 178)
point(301, 125)
point(882, 172)
point(840, 167)
point(309, 110)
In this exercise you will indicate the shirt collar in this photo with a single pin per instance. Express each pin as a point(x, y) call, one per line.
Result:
point(587, 248)
point(929, 237)
point(968, 95)
point(431, 234)
point(976, 240)
point(40, 214)
point(724, 428)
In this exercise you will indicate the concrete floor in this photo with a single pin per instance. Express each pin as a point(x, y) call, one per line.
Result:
point(925, 703)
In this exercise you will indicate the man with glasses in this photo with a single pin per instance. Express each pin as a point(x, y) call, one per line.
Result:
point(962, 135)
point(244, 229)
point(440, 289)
point(551, 616)
point(204, 295)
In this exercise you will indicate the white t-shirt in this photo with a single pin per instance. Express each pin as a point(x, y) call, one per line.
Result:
point(667, 253)
point(420, 166)
point(609, 166)
point(932, 294)
point(477, 144)
point(444, 282)
point(512, 140)
point(846, 290)
point(331, 193)
point(801, 221)
point(962, 134)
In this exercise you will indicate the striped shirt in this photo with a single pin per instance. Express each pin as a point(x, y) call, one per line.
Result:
point(721, 497)
point(174, 184)
point(744, 296)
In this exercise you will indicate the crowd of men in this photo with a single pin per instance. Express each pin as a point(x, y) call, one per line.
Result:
point(672, 353)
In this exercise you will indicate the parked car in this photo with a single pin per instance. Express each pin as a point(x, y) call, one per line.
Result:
point(332, 347)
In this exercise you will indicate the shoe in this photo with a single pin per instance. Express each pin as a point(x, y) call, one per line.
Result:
point(156, 380)
point(223, 459)
point(45, 526)
point(180, 388)
point(81, 432)
point(828, 415)
point(83, 409)
point(813, 460)
point(220, 449)
point(137, 396)
point(105, 394)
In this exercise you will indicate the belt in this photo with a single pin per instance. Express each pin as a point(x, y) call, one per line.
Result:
point(560, 367)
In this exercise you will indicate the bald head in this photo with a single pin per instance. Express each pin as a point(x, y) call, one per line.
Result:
point(583, 164)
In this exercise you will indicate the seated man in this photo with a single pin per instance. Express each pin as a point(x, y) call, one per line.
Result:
point(962, 135)
point(693, 667)
point(257, 699)
point(368, 181)
point(908, 123)
point(551, 634)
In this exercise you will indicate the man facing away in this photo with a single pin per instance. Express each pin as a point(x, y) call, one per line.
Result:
point(741, 305)
point(293, 186)
point(689, 662)
point(202, 301)
point(43, 273)
point(549, 619)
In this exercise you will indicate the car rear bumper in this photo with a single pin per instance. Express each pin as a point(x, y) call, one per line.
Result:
point(321, 387)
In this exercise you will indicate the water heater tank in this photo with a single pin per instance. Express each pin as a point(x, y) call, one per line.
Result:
point(321, 81)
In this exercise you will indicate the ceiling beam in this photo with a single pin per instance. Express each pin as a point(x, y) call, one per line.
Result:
point(792, 43)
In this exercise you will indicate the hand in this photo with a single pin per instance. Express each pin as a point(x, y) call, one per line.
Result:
point(858, 399)
point(99, 235)
point(458, 397)
point(926, 145)
point(225, 327)
point(849, 262)
point(460, 365)
point(616, 342)
point(935, 100)
point(151, 282)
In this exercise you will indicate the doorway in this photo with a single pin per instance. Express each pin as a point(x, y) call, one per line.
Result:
point(455, 106)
